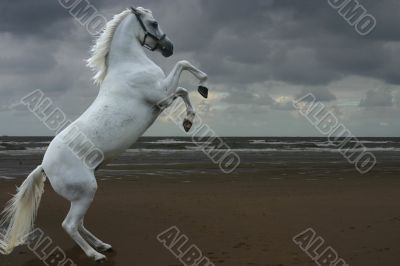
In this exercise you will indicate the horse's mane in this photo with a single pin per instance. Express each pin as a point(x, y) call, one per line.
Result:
point(101, 49)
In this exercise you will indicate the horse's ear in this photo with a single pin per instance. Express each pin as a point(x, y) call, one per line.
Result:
point(135, 11)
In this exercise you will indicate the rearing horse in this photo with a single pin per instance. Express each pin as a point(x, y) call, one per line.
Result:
point(133, 93)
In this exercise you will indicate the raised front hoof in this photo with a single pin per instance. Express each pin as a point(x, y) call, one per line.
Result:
point(203, 91)
point(187, 125)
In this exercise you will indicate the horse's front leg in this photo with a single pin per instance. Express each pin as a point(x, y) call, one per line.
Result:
point(190, 112)
point(172, 80)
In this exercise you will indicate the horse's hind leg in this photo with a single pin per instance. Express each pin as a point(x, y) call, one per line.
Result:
point(92, 240)
point(72, 223)
point(71, 179)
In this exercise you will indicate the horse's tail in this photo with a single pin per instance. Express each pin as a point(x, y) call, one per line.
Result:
point(20, 212)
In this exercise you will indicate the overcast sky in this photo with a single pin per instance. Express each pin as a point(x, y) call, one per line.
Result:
point(259, 55)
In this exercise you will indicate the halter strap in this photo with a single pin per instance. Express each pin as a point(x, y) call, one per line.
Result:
point(147, 33)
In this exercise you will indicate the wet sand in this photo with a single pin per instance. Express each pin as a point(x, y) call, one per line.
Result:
point(235, 221)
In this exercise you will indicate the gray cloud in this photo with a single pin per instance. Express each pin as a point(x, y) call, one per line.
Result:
point(247, 97)
point(321, 95)
point(305, 46)
point(381, 98)
point(293, 41)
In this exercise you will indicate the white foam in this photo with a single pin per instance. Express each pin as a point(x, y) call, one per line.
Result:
point(168, 141)
point(7, 177)
point(196, 149)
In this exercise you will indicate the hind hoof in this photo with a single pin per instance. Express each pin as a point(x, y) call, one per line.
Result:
point(187, 125)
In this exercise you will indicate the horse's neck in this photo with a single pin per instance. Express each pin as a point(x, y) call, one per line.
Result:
point(125, 47)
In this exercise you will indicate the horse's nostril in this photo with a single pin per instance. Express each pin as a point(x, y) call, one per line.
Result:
point(167, 48)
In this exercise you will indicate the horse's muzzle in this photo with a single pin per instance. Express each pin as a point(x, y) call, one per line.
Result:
point(166, 47)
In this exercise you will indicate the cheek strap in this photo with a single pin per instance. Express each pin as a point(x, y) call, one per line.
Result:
point(148, 34)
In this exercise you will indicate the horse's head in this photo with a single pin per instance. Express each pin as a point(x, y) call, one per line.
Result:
point(150, 34)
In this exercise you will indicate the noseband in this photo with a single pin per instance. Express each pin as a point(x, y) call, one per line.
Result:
point(148, 33)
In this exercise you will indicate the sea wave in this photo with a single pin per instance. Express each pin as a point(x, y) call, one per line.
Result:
point(319, 143)
point(380, 149)
point(238, 150)
point(24, 142)
point(7, 177)
point(259, 141)
point(168, 141)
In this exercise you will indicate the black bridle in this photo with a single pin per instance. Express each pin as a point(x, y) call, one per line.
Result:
point(147, 33)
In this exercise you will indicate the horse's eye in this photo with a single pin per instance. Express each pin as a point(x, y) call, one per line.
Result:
point(154, 24)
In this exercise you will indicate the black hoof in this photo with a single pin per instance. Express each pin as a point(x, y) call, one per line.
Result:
point(101, 261)
point(187, 125)
point(203, 91)
point(108, 250)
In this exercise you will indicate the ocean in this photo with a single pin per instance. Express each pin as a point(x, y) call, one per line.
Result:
point(175, 157)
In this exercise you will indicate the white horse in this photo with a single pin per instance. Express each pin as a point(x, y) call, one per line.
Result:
point(133, 93)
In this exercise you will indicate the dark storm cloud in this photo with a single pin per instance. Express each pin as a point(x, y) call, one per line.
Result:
point(30, 59)
point(32, 17)
point(299, 42)
point(242, 45)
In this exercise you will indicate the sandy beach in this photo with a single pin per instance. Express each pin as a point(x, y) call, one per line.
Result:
point(234, 222)
point(248, 217)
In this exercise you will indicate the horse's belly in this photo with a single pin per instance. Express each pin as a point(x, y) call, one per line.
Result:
point(113, 129)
